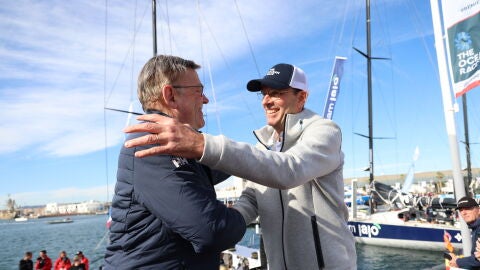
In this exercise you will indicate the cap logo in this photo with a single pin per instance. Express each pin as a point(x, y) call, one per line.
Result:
point(272, 71)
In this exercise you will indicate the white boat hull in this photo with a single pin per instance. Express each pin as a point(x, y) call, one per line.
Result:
point(386, 229)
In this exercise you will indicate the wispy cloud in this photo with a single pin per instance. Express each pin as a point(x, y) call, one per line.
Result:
point(52, 72)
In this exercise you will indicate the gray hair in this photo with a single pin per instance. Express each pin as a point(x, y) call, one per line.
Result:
point(159, 71)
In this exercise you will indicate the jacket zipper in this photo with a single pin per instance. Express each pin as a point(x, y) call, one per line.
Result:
point(281, 199)
point(283, 229)
point(280, 192)
point(318, 245)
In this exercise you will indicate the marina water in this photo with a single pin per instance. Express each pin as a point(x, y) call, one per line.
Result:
point(88, 234)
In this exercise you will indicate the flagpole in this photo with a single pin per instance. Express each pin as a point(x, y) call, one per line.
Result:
point(450, 120)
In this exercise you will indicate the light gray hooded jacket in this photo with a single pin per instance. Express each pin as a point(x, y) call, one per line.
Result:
point(302, 212)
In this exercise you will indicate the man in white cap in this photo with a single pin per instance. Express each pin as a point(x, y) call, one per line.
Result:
point(470, 212)
point(297, 167)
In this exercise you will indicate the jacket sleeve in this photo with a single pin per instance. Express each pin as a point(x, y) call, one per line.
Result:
point(186, 202)
point(468, 262)
point(217, 176)
point(86, 263)
point(48, 264)
point(247, 204)
point(316, 153)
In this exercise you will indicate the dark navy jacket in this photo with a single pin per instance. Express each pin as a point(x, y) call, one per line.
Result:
point(471, 262)
point(165, 215)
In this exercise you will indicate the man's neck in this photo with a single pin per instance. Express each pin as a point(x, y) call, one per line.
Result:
point(278, 136)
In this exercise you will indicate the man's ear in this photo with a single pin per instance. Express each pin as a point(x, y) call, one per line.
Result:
point(169, 97)
point(302, 98)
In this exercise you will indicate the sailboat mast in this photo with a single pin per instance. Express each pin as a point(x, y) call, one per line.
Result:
point(369, 86)
point(448, 111)
point(467, 140)
point(154, 26)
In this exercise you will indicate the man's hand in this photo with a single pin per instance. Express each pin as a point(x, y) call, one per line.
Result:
point(453, 261)
point(173, 137)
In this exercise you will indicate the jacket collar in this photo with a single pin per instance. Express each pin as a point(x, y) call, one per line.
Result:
point(294, 125)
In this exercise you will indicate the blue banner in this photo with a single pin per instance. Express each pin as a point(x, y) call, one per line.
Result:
point(334, 89)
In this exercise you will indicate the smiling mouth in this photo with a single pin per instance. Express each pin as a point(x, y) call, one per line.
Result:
point(271, 111)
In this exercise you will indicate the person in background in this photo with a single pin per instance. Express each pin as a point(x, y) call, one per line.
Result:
point(244, 264)
point(62, 262)
point(43, 261)
point(470, 213)
point(296, 173)
point(26, 263)
point(83, 259)
point(165, 214)
point(77, 264)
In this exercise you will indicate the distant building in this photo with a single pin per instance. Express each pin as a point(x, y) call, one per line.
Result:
point(88, 207)
point(231, 192)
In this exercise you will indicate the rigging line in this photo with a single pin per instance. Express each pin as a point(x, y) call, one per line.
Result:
point(353, 59)
point(126, 57)
point(101, 240)
point(248, 40)
point(386, 41)
point(416, 20)
point(356, 20)
point(169, 29)
point(344, 21)
point(105, 100)
point(202, 55)
point(124, 111)
point(206, 59)
point(385, 21)
point(162, 34)
point(200, 30)
point(357, 114)
point(213, 38)
point(164, 13)
point(222, 55)
point(415, 15)
point(217, 113)
point(132, 80)
point(354, 113)
point(349, 7)
point(332, 46)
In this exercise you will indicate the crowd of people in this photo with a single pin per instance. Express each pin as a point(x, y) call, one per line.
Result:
point(43, 262)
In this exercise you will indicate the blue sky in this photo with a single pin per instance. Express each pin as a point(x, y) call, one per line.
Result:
point(64, 61)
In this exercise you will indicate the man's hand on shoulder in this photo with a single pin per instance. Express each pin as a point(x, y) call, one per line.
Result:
point(172, 137)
